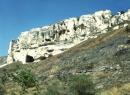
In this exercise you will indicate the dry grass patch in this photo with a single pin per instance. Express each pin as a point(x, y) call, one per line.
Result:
point(102, 74)
point(123, 90)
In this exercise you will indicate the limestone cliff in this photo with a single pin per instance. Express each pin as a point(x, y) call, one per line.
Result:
point(40, 43)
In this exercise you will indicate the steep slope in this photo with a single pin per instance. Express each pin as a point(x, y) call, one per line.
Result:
point(106, 58)
point(108, 54)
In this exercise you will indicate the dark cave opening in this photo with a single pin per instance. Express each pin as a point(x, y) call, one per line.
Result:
point(29, 58)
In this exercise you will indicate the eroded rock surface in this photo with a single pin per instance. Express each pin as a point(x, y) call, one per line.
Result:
point(54, 39)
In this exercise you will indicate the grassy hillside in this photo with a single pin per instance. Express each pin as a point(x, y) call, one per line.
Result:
point(97, 66)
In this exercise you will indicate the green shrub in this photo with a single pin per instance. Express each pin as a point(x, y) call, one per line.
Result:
point(75, 27)
point(52, 91)
point(55, 87)
point(4, 77)
point(25, 79)
point(128, 29)
point(2, 90)
point(122, 11)
point(81, 85)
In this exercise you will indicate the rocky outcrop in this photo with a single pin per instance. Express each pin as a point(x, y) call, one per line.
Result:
point(3, 60)
point(40, 43)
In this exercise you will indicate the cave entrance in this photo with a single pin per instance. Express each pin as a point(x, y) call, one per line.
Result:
point(29, 58)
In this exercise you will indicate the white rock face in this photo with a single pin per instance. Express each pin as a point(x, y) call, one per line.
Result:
point(54, 39)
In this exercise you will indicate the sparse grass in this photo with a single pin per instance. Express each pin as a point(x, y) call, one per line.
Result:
point(81, 85)
point(101, 74)
point(122, 90)
point(55, 87)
